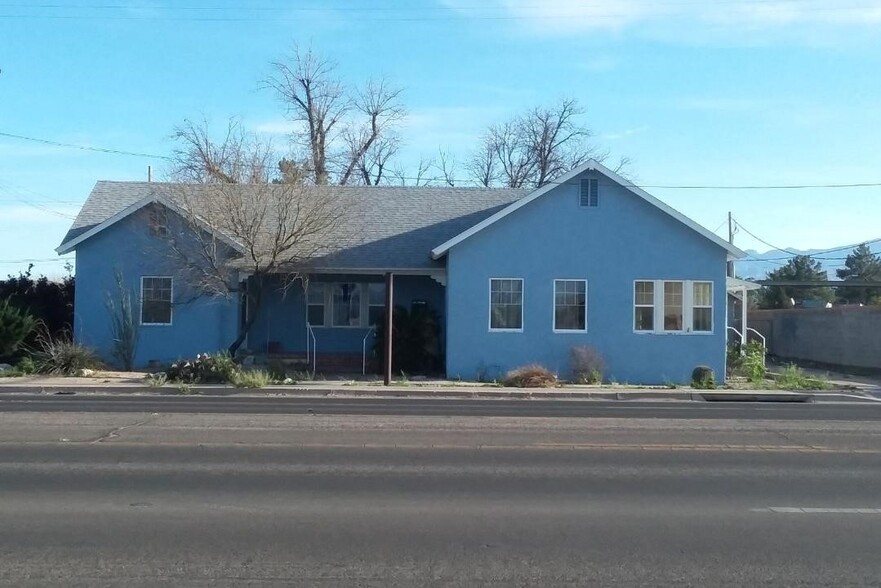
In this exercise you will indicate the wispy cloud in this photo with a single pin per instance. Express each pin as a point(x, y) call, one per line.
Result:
point(737, 17)
point(618, 135)
point(276, 127)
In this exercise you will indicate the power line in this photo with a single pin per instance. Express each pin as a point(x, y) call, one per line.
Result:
point(474, 182)
point(83, 147)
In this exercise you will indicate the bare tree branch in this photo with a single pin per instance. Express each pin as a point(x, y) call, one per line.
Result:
point(238, 158)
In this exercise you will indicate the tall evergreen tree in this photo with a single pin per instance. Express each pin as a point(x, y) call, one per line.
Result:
point(801, 268)
point(864, 266)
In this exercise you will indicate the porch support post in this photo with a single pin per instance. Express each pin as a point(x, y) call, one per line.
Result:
point(389, 322)
point(743, 308)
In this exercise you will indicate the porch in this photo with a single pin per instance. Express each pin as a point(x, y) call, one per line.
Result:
point(331, 322)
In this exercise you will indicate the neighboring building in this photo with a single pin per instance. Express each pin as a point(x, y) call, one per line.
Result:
point(516, 277)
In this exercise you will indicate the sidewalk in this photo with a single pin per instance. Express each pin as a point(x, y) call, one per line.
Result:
point(124, 384)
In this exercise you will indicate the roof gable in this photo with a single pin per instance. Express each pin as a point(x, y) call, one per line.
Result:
point(591, 165)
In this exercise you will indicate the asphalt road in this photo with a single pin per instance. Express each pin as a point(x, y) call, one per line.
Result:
point(152, 499)
point(847, 411)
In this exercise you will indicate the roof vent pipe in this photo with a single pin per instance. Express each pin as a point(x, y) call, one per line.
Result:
point(149, 173)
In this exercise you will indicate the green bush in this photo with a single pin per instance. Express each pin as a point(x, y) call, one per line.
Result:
point(530, 376)
point(703, 378)
point(793, 378)
point(754, 362)
point(587, 364)
point(26, 365)
point(15, 326)
point(252, 379)
point(204, 369)
point(59, 355)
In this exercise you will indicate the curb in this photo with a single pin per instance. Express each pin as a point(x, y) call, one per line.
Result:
point(441, 393)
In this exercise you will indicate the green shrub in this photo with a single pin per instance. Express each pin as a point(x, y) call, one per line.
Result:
point(734, 359)
point(587, 364)
point(793, 378)
point(15, 326)
point(530, 376)
point(252, 379)
point(204, 369)
point(26, 365)
point(59, 355)
point(703, 378)
point(754, 362)
point(156, 380)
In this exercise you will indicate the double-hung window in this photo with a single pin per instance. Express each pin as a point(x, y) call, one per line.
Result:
point(346, 305)
point(570, 305)
point(315, 303)
point(673, 306)
point(375, 303)
point(156, 300)
point(702, 307)
point(644, 302)
point(506, 304)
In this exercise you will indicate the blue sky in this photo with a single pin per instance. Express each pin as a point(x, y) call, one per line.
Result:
point(724, 93)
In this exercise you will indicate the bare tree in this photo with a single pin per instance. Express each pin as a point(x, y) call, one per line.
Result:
point(446, 166)
point(253, 237)
point(535, 147)
point(481, 165)
point(373, 166)
point(237, 158)
point(339, 125)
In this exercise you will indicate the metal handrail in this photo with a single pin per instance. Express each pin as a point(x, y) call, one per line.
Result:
point(739, 334)
point(364, 350)
point(760, 336)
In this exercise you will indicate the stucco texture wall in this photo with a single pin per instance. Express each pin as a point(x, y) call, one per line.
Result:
point(848, 336)
point(199, 324)
point(621, 240)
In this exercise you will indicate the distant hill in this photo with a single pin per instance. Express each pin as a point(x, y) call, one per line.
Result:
point(754, 267)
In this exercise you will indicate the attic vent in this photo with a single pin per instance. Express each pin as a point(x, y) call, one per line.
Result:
point(590, 193)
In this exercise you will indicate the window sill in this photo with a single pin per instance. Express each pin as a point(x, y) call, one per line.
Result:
point(506, 330)
point(675, 333)
point(569, 331)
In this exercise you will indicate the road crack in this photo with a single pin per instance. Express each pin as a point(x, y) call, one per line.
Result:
point(114, 432)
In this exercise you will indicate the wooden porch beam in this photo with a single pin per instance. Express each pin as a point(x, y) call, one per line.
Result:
point(389, 323)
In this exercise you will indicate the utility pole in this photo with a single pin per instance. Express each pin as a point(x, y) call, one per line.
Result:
point(730, 240)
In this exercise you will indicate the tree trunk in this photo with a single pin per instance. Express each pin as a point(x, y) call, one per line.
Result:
point(254, 301)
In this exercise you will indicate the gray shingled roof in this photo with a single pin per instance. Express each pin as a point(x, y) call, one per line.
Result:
point(396, 226)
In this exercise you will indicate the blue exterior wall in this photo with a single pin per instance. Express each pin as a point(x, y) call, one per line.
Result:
point(282, 318)
point(622, 240)
point(199, 323)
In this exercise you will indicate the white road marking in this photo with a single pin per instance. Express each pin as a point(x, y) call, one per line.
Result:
point(814, 510)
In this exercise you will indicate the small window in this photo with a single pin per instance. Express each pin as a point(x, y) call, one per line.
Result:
point(155, 301)
point(506, 304)
point(644, 301)
point(375, 303)
point(158, 221)
point(673, 304)
point(315, 305)
point(702, 318)
point(346, 305)
point(570, 305)
point(590, 193)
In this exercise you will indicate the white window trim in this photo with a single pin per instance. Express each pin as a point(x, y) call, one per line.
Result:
point(654, 307)
point(489, 308)
point(554, 307)
point(687, 308)
point(141, 303)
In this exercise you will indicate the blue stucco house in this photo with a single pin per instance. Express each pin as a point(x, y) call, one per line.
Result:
point(515, 276)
